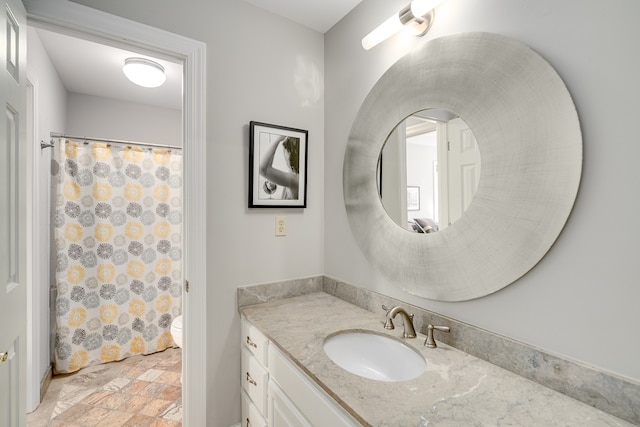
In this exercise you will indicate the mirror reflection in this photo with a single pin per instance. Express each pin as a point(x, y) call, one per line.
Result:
point(428, 171)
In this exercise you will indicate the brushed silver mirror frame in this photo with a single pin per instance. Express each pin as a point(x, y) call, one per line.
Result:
point(528, 132)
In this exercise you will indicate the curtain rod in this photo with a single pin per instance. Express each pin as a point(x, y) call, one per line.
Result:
point(108, 141)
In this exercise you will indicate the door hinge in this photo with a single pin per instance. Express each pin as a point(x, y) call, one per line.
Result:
point(448, 145)
point(186, 286)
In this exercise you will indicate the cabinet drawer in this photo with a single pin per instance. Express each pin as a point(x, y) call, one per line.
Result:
point(254, 341)
point(254, 380)
point(251, 417)
point(314, 404)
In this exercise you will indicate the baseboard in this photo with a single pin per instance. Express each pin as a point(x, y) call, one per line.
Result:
point(44, 383)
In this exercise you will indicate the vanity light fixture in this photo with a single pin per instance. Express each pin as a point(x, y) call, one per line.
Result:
point(144, 72)
point(416, 17)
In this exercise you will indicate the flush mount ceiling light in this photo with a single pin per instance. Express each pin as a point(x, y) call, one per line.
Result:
point(416, 17)
point(144, 72)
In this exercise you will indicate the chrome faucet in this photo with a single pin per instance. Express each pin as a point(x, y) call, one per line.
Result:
point(407, 319)
point(430, 342)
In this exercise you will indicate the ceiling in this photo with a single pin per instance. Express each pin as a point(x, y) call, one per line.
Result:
point(95, 69)
point(91, 68)
point(319, 15)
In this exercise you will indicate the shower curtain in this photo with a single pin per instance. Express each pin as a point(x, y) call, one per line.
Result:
point(118, 242)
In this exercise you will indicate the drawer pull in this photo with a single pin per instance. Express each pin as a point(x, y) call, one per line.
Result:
point(250, 380)
point(248, 423)
point(251, 343)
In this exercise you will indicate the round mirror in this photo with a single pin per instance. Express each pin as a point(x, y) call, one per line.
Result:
point(428, 171)
point(526, 125)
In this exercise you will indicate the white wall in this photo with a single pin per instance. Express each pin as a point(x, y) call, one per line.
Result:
point(581, 300)
point(422, 151)
point(99, 117)
point(50, 100)
point(264, 68)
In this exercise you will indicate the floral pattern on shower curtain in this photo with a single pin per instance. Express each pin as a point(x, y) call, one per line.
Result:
point(118, 242)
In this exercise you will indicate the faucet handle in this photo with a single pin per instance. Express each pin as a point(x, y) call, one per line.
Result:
point(430, 342)
point(388, 323)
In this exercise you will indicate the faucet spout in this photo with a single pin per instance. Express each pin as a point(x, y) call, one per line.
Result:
point(407, 320)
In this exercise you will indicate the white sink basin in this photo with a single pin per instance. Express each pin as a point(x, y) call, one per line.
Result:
point(374, 356)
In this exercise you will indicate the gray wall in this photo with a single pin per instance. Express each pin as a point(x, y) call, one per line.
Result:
point(259, 67)
point(581, 300)
point(99, 117)
point(50, 101)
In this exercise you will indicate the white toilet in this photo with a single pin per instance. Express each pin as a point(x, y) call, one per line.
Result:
point(176, 330)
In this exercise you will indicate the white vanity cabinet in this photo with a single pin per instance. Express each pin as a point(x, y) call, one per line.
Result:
point(276, 393)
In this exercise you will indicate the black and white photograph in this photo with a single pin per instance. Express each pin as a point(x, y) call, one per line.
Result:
point(277, 166)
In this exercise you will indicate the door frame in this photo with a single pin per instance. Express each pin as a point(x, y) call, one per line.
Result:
point(72, 18)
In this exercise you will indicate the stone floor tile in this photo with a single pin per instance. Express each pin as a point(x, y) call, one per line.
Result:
point(160, 422)
point(115, 419)
point(155, 407)
point(150, 375)
point(95, 397)
point(171, 392)
point(110, 394)
point(140, 421)
point(173, 412)
point(117, 384)
point(92, 417)
point(134, 404)
point(153, 389)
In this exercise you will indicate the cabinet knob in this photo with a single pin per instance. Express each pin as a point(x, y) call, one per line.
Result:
point(4, 356)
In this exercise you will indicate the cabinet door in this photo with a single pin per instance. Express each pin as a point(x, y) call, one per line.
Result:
point(282, 413)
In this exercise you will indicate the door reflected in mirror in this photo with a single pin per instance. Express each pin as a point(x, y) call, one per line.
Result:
point(428, 171)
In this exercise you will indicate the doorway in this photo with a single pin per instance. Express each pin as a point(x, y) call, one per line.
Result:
point(69, 18)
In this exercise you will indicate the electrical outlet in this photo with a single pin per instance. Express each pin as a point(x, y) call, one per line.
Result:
point(281, 226)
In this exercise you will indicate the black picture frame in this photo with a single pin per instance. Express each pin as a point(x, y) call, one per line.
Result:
point(281, 152)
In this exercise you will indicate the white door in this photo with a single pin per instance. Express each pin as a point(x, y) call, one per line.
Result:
point(392, 175)
point(13, 163)
point(463, 166)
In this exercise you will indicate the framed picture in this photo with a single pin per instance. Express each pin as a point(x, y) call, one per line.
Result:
point(413, 198)
point(277, 166)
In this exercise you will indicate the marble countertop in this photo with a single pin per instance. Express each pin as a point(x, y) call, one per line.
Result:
point(456, 389)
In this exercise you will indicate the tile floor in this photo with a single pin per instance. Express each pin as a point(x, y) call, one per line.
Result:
point(138, 391)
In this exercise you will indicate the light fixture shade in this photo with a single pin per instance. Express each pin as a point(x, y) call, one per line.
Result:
point(144, 72)
point(422, 7)
point(417, 16)
point(382, 32)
